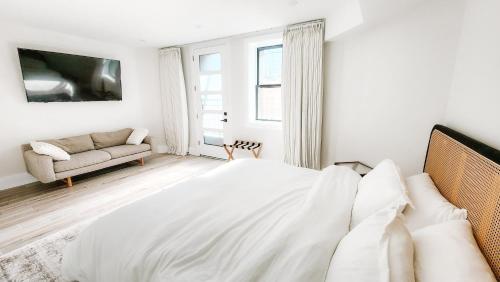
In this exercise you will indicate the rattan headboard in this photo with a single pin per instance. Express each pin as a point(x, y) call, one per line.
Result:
point(467, 173)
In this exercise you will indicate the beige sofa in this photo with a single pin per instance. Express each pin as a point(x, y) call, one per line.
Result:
point(88, 153)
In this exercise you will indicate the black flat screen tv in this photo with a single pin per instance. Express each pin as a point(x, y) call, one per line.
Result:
point(58, 77)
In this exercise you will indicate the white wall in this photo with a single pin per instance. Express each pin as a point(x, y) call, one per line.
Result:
point(474, 106)
point(22, 122)
point(238, 90)
point(387, 85)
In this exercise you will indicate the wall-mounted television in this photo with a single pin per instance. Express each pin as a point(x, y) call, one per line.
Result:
point(58, 77)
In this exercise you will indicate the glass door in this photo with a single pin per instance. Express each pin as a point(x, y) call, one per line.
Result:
point(210, 89)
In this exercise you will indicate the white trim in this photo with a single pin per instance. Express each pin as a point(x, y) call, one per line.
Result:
point(251, 49)
point(224, 51)
point(15, 180)
point(195, 151)
point(264, 124)
point(161, 149)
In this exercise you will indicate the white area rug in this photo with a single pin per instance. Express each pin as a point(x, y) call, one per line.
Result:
point(40, 260)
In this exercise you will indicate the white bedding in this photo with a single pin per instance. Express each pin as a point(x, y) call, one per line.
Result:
point(248, 220)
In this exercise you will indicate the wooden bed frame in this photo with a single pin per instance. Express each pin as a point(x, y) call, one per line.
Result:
point(467, 173)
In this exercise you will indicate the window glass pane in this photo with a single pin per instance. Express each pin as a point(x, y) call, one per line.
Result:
point(213, 138)
point(212, 102)
point(210, 82)
point(212, 120)
point(210, 62)
point(270, 65)
point(269, 103)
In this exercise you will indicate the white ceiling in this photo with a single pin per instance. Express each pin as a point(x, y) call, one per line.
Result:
point(161, 23)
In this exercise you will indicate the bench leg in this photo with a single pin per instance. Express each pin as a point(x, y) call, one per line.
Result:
point(141, 161)
point(256, 153)
point(229, 153)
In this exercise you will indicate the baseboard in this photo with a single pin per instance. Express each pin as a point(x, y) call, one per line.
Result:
point(14, 180)
point(161, 149)
point(195, 151)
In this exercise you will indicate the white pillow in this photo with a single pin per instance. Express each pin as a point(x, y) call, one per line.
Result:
point(382, 187)
point(448, 252)
point(55, 152)
point(429, 206)
point(137, 136)
point(378, 249)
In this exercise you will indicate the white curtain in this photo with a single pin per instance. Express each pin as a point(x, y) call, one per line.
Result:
point(302, 90)
point(173, 101)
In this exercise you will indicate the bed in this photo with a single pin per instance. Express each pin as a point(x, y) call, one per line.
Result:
point(257, 220)
point(226, 225)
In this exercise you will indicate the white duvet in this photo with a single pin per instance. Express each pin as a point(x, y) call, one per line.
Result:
point(248, 220)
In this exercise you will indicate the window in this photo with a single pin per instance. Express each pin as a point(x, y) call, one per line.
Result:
point(268, 88)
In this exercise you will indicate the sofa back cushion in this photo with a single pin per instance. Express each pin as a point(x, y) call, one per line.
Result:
point(110, 139)
point(73, 145)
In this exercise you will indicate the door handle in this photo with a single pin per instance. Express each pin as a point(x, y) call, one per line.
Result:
point(224, 120)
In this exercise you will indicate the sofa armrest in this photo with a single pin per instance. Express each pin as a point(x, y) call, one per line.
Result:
point(151, 141)
point(148, 140)
point(40, 166)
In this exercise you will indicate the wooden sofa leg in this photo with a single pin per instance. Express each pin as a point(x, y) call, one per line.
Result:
point(69, 182)
point(141, 161)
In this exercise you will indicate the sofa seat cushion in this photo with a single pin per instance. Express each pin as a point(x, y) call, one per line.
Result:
point(81, 160)
point(126, 150)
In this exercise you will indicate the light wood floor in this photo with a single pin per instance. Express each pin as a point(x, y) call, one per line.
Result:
point(33, 211)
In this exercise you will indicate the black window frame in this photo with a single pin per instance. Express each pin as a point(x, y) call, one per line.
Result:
point(258, 85)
